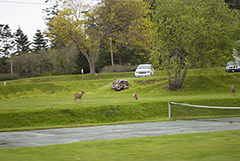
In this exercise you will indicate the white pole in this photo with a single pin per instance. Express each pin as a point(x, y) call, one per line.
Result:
point(11, 67)
point(169, 109)
point(82, 73)
point(111, 51)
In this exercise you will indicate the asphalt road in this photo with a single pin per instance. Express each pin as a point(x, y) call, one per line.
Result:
point(70, 135)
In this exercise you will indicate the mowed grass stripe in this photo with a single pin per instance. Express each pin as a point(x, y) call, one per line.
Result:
point(210, 146)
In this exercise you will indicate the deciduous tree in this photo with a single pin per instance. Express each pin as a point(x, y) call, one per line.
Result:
point(195, 34)
point(107, 19)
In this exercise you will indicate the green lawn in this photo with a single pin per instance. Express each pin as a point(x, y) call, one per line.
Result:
point(210, 146)
point(48, 102)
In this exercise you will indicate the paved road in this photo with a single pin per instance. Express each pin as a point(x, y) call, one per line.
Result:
point(69, 135)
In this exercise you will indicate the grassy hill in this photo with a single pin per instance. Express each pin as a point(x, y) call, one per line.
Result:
point(47, 102)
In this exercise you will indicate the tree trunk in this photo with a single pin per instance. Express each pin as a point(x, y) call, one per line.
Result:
point(92, 67)
point(183, 76)
point(91, 59)
point(120, 60)
point(176, 84)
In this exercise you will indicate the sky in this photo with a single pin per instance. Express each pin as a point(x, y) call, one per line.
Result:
point(28, 14)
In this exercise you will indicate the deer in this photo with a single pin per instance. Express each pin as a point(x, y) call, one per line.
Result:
point(78, 96)
point(233, 90)
point(135, 96)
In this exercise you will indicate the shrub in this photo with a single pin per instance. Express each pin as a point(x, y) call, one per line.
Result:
point(4, 77)
point(118, 68)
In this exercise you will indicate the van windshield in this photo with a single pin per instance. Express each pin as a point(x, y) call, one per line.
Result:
point(143, 67)
point(236, 63)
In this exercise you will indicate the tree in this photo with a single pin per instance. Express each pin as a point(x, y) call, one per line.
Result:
point(6, 41)
point(196, 34)
point(46, 62)
point(22, 43)
point(4, 65)
point(39, 42)
point(52, 11)
point(134, 53)
point(107, 19)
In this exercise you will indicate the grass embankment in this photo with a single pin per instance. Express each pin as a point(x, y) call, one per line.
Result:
point(47, 102)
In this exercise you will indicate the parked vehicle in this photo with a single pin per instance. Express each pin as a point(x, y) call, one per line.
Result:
point(144, 70)
point(233, 66)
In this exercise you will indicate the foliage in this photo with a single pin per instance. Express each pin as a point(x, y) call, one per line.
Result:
point(22, 42)
point(81, 63)
point(39, 42)
point(4, 77)
point(118, 68)
point(4, 65)
point(233, 4)
point(122, 55)
point(46, 62)
point(6, 41)
point(191, 35)
point(51, 11)
point(107, 19)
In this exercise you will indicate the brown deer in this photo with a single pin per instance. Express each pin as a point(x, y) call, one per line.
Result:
point(233, 90)
point(78, 96)
point(135, 96)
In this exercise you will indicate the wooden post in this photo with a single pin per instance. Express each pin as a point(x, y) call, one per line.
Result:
point(169, 109)
point(5, 83)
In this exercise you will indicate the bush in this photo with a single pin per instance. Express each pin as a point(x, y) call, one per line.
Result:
point(4, 77)
point(118, 68)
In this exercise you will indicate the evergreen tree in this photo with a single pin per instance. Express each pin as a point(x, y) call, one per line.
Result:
point(39, 42)
point(51, 11)
point(22, 43)
point(6, 41)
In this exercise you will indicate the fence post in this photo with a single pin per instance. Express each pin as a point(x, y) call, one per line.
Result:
point(169, 109)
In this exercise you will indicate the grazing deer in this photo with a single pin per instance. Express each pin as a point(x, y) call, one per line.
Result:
point(78, 96)
point(233, 90)
point(135, 96)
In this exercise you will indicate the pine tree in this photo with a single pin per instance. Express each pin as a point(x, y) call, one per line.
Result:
point(22, 43)
point(39, 42)
point(6, 41)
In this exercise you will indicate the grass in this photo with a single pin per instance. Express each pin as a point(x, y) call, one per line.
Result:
point(48, 102)
point(211, 146)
